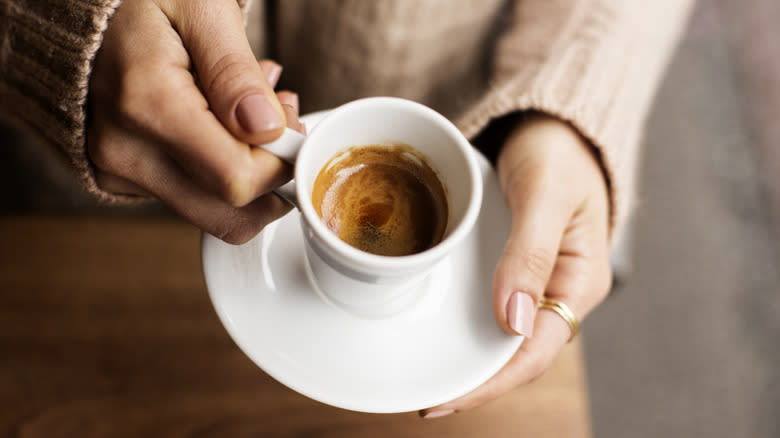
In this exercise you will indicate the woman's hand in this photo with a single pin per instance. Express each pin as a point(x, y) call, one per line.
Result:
point(176, 99)
point(557, 248)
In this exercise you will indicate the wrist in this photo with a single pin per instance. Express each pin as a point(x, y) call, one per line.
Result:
point(543, 149)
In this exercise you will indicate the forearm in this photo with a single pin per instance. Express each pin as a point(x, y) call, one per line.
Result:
point(44, 70)
point(594, 64)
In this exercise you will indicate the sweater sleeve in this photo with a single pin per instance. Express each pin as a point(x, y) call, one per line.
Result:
point(46, 54)
point(593, 63)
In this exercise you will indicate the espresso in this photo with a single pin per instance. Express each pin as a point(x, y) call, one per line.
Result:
point(384, 200)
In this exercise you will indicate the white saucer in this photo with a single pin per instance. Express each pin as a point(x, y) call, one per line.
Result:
point(443, 347)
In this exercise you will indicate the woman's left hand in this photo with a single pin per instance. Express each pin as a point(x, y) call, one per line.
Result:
point(557, 248)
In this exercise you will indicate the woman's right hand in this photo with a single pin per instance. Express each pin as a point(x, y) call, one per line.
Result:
point(176, 100)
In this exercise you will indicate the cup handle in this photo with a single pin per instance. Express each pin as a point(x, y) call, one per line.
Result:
point(286, 148)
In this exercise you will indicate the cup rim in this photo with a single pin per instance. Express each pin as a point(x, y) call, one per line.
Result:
point(366, 260)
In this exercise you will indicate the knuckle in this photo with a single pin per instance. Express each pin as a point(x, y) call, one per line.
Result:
point(235, 228)
point(238, 225)
point(235, 185)
point(143, 102)
point(106, 154)
point(229, 73)
point(537, 262)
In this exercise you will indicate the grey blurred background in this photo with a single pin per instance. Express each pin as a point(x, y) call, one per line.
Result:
point(689, 342)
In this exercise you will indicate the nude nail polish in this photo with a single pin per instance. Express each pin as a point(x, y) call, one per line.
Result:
point(438, 414)
point(272, 72)
point(256, 114)
point(520, 313)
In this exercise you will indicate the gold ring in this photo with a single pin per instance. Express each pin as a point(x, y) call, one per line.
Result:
point(563, 311)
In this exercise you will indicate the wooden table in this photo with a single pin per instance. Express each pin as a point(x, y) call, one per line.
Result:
point(106, 329)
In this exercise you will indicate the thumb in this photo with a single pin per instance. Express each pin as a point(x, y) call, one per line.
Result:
point(235, 86)
point(530, 254)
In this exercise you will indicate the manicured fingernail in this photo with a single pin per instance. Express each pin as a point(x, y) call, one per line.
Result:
point(290, 99)
point(520, 313)
point(256, 114)
point(272, 71)
point(292, 118)
point(438, 414)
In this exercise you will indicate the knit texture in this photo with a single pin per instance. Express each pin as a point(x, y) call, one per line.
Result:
point(45, 59)
point(594, 63)
point(46, 54)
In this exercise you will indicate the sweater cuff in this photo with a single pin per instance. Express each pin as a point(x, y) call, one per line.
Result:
point(46, 61)
point(602, 85)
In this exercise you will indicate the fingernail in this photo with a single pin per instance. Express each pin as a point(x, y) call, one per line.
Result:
point(292, 118)
point(289, 111)
point(272, 71)
point(292, 100)
point(438, 414)
point(520, 313)
point(256, 114)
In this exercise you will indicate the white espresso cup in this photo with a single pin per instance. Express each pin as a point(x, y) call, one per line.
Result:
point(360, 282)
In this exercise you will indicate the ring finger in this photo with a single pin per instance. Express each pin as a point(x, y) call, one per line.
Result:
point(573, 278)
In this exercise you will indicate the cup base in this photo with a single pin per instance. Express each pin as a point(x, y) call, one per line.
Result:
point(411, 298)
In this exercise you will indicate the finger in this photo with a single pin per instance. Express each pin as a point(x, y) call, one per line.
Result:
point(529, 362)
point(580, 283)
point(522, 273)
point(232, 80)
point(144, 164)
point(289, 98)
point(292, 108)
point(157, 98)
point(583, 259)
point(151, 92)
point(177, 117)
point(546, 207)
point(581, 280)
point(118, 185)
point(271, 70)
point(292, 120)
point(565, 286)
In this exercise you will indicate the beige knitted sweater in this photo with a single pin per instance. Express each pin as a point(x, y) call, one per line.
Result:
point(595, 63)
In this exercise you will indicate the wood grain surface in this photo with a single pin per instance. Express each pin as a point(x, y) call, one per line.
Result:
point(106, 329)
